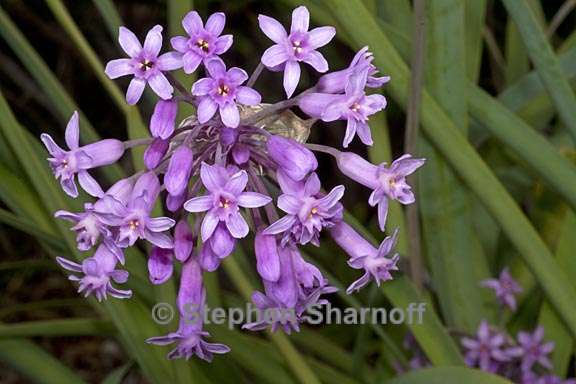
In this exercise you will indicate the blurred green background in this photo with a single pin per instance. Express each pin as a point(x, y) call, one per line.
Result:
point(497, 124)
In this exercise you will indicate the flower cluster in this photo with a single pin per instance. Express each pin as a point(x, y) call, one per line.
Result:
point(218, 174)
point(525, 359)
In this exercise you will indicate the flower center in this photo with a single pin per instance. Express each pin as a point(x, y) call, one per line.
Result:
point(297, 46)
point(313, 211)
point(146, 65)
point(203, 45)
point(223, 90)
point(65, 164)
point(224, 203)
point(133, 224)
point(355, 107)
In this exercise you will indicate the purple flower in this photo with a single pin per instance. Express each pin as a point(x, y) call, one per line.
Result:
point(354, 106)
point(335, 82)
point(133, 219)
point(87, 226)
point(486, 350)
point(144, 64)
point(202, 42)
point(155, 152)
point(531, 350)
point(97, 273)
point(307, 212)
point(221, 91)
point(191, 303)
point(163, 119)
point(293, 158)
point(179, 170)
point(375, 262)
point(298, 287)
point(299, 45)
point(77, 160)
point(221, 242)
point(160, 265)
point(226, 196)
point(505, 288)
point(388, 182)
point(267, 258)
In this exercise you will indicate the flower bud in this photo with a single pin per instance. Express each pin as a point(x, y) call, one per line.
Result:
point(160, 266)
point(221, 242)
point(267, 259)
point(183, 240)
point(174, 202)
point(293, 158)
point(163, 119)
point(179, 169)
point(358, 169)
point(155, 152)
point(148, 183)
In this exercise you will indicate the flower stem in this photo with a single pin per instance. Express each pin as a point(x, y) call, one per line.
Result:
point(137, 142)
point(255, 75)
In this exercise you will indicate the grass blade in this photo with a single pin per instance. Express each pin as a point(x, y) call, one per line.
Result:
point(545, 61)
point(449, 375)
point(57, 328)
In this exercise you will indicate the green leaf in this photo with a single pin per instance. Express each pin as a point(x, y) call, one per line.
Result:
point(453, 249)
point(34, 363)
point(31, 228)
point(554, 329)
point(475, 13)
point(445, 136)
point(50, 84)
point(56, 328)
point(545, 61)
point(448, 375)
point(117, 375)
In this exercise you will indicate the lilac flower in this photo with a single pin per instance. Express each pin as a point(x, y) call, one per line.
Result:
point(97, 273)
point(226, 195)
point(388, 182)
point(531, 350)
point(335, 82)
point(486, 350)
point(298, 287)
point(267, 258)
point(505, 288)
point(179, 170)
point(299, 45)
point(375, 262)
point(191, 303)
point(221, 91)
point(354, 106)
point(144, 64)
point(202, 42)
point(155, 152)
point(77, 160)
point(222, 242)
point(292, 158)
point(133, 219)
point(160, 265)
point(307, 212)
point(87, 226)
point(163, 119)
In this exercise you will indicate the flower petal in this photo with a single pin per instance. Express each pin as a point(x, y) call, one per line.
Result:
point(223, 43)
point(206, 109)
point(317, 61)
point(253, 200)
point(119, 67)
point(230, 115)
point(129, 42)
point(319, 37)
point(153, 41)
point(179, 43)
point(272, 28)
point(215, 67)
point(191, 61)
point(89, 184)
point(237, 183)
point(291, 77)
point(69, 186)
point(289, 204)
point(169, 61)
point(160, 224)
point(382, 213)
point(72, 134)
point(135, 90)
point(160, 84)
point(192, 23)
point(237, 225)
point(199, 204)
point(213, 177)
point(247, 96)
point(202, 87)
point(209, 225)
point(215, 23)
point(364, 133)
point(274, 55)
point(300, 19)
point(281, 225)
point(53, 148)
point(161, 240)
point(237, 75)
